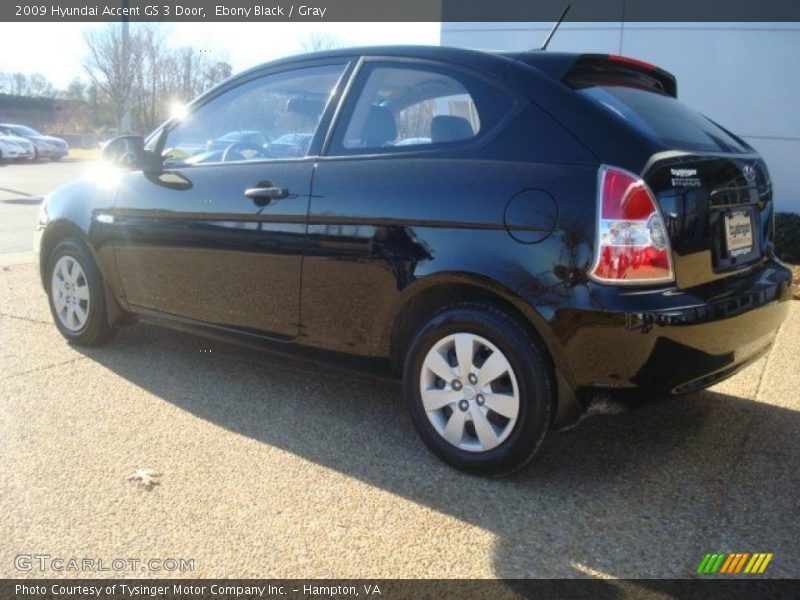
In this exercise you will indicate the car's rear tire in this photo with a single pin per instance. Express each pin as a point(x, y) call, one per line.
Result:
point(491, 417)
point(76, 294)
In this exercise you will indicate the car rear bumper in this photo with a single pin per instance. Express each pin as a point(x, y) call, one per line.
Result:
point(49, 151)
point(670, 341)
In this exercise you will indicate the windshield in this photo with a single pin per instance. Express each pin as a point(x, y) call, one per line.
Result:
point(665, 119)
point(22, 130)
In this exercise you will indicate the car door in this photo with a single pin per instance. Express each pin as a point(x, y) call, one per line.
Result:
point(218, 234)
point(400, 178)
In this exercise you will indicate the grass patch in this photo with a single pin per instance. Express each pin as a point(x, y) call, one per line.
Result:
point(84, 153)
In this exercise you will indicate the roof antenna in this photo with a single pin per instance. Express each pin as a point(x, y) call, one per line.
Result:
point(555, 27)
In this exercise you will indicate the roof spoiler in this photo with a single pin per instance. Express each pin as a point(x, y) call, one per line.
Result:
point(590, 68)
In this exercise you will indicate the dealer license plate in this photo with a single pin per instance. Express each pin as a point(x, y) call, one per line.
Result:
point(738, 233)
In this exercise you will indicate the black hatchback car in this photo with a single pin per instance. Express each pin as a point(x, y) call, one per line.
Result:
point(511, 232)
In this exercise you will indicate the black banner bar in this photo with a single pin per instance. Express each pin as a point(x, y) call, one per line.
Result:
point(402, 10)
point(387, 589)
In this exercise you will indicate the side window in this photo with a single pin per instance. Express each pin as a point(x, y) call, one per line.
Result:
point(272, 117)
point(416, 106)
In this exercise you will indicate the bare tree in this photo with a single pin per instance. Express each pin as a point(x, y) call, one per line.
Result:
point(39, 86)
point(316, 42)
point(158, 74)
point(106, 64)
point(76, 90)
point(19, 84)
point(170, 75)
point(150, 84)
point(215, 72)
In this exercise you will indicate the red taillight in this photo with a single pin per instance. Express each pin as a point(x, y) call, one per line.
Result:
point(632, 242)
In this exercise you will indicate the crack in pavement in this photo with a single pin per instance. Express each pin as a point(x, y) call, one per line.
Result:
point(28, 319)
point(10, 191)
point(44, 368)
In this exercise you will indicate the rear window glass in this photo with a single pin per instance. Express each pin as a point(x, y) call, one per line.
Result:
point(664, 118)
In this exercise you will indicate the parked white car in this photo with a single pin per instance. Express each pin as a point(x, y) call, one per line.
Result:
point(44, 146)
point(15, 148)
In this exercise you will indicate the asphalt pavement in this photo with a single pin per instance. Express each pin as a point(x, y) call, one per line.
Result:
point(22, 188)
point(274, 467)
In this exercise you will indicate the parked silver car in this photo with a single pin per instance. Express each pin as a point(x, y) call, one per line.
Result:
point(13, 147)
point(44, 146)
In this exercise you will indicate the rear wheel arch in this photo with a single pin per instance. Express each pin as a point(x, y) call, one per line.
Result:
point(434, 295)
point(429, 296)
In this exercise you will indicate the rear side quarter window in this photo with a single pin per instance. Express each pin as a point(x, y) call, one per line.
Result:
point(398, 107)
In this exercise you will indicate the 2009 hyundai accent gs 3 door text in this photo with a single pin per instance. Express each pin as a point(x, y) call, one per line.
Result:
point(510, 231)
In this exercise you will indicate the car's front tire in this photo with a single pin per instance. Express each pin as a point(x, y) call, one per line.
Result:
point(76, 294)
point(479, 388)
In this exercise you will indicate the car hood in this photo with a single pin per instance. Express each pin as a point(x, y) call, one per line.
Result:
point(15, 139)
point(47, 139)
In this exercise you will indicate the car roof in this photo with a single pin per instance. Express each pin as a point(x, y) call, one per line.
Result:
point(12, 125)
point(487, 61)
point(495, 65)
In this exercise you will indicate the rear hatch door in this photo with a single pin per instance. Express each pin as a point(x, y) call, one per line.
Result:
point(713, 189)
point(717, 210)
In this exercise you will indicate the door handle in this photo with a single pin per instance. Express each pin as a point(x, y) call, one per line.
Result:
point(267, 192)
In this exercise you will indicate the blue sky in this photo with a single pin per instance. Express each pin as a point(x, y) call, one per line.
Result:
point(57, 50)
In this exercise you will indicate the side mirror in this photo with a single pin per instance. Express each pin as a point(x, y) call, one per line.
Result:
point(127, 152)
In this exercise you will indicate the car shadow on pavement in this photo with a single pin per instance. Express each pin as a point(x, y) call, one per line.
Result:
point(644, 493)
